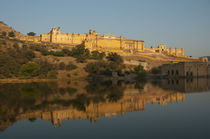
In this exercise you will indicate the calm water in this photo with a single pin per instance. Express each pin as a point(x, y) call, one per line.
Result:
point(157, 109)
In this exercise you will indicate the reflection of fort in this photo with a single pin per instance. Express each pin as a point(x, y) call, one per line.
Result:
point(133, 100)
point(134, 97)
point(187, 85)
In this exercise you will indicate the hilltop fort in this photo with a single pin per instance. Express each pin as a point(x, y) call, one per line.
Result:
point(105, 43)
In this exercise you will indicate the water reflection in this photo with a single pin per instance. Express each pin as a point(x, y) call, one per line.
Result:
point(57, 101)
point(188, 85)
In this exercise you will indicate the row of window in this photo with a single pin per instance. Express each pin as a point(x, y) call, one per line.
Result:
point(176, 72)
point(189, 73)
point(173, 72)
point(173, 82)
point(68, 39)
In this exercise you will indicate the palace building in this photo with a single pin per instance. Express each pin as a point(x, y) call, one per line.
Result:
point(105, 43)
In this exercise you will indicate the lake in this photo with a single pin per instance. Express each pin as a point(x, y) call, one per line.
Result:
point(113, 109)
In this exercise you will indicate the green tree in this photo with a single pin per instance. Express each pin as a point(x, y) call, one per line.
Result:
point(71, 66)
point(31, 34)
point(81, 59)
point(97, 55)
point(11, 34)
point(4, 34)
point(56, 53)
point(115, 62)
point(67, 52)
point(139, 68)
point(29, 70)
point(52, 74)
point(97, 67)
point(140, 72)
point(114, 57)
point(46, 69)
point(81, 53)
point(62, 66)
point(15, 45)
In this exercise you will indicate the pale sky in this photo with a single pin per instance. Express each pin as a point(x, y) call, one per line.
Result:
point(177, 23)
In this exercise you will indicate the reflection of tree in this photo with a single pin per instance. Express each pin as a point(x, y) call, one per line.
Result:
point(26, 97)
point(156, 82)
point(32, 119)
point(81, 102)
point(105, 90)
point(98, 88)
point(19, 98)
point(97, 99)
point(68, 90)
point(30, 91)
point(114, 97)
point(140, 85)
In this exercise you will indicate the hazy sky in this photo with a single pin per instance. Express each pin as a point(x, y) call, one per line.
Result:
point(177, 23)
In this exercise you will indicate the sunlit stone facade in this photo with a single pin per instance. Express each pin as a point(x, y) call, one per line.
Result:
point(105, 43)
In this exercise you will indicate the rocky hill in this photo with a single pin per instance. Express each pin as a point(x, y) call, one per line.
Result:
point(5, 28)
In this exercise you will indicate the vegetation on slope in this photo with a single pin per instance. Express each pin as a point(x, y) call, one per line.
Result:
point(19, 59)
point(21, 62)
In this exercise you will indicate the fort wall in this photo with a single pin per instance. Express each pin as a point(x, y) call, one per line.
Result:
point(106, 43)
point(30, 38)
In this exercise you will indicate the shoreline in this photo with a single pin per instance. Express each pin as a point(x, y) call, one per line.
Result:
point(16, 80)
point(26, 80)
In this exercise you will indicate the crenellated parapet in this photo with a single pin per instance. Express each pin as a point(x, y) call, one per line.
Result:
point(106, 43)
point(30, 38)
point(167, 51)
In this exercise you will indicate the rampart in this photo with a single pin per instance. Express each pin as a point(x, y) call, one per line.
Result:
point(105, 43)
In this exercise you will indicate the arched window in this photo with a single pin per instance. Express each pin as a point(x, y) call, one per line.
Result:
point(177, 72)
point(191, 73)
point(172, 81)
point(172, 72)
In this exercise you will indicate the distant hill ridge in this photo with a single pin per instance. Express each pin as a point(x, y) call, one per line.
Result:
point(5, 28)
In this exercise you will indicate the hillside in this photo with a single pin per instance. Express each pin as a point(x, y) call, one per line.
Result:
point(156, 59)
point(5, 28)
point(29, 60)
point(153, 59)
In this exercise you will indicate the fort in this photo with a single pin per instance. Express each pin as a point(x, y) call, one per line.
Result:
point(105, 43)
